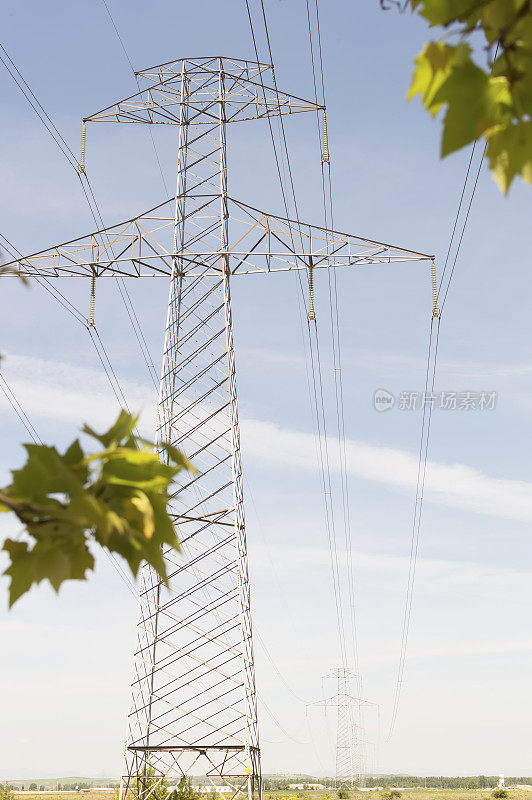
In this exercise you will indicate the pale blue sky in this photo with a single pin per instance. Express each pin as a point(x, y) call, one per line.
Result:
point(467, 704)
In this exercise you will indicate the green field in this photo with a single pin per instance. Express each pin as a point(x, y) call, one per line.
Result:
point(50, 794)
point(407, 794)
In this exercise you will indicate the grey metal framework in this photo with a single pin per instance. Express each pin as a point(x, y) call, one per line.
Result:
point(350, 743)
point(193, 700)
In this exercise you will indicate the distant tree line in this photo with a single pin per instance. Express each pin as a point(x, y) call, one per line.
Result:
point(443, 782)
point(282, 782)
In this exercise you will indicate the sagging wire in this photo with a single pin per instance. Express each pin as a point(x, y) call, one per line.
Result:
point(80, 170)
point(430, 377)
point(328, 213)
point(439, 309)
point(32, 432)
point(19, 411)
point(316, 364)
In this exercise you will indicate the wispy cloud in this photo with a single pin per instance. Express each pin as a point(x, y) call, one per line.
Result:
point(293, 560)
point(56, 390)
point(394, 362)
point(59, 391)
point(456, 485)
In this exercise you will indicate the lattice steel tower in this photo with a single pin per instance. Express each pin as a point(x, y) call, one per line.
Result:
point(350, 744)
point(193, 701)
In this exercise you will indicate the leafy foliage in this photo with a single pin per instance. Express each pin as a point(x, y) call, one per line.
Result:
point(499, 793)
point(150, 785)
point(116, 497)
point(493, 102)
point(184, 791)
point(6, 792)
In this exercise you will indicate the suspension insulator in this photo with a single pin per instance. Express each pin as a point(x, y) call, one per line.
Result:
point(325, 156)
point(91, 301)
point(435, 309)
point(81, 168)
point(311, 312)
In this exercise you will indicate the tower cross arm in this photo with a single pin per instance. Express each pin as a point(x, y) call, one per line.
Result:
point(335, 701)
point(259, 242)
point(139, 247)
point(197, 85)
point(269, 243)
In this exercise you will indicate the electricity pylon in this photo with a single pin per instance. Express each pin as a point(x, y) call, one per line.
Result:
point(193, 701)
point(350, 739)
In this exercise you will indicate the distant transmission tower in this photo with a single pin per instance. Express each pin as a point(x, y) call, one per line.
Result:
point(346, 732)
point(193, 703)
point(351, 765)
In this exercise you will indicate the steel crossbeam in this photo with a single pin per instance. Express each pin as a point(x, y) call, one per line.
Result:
point(193, 700)
point(259, 242)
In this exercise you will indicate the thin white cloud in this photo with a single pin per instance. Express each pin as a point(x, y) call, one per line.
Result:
point(397, 364)
point(54, 390)
point(59, 391)
point(456, 485)
point(437, 580)
point(296, 560)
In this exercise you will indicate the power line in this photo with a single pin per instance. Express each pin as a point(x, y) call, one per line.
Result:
point(277, 162)
point(88, 191)
point(313, 741)
point(447, 287)
point(317, 383)
point(312, 385)
point(296, 632)
point(276, 721)
point(44, 283)
point(135, 76)
point(30, 428)
point(277, 670)
point(76, 313)
point(328, 214)
point(17, 408)
point(430, 376)
point(425, 427)
point(28, 93)
point(466, 219)
point(457, 217)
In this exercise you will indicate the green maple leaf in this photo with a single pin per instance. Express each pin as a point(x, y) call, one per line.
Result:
point(476, 105)
point(510, 153)
point(120, 431)
point(494, 103)
point(117, 497)
point(445, 12)
point(53, 559)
